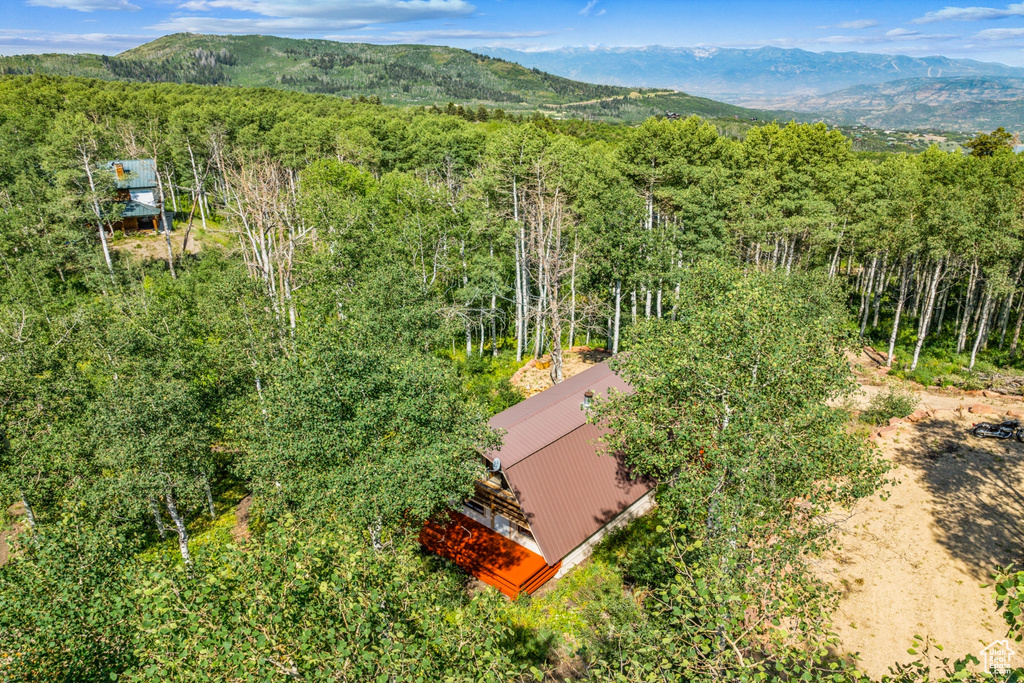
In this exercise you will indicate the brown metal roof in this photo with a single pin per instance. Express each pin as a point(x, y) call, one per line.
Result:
point(566, 484)
point(571, 488)
point(551, 414)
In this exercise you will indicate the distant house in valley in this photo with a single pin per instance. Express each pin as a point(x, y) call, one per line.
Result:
point(137, 193)
point(551, 494)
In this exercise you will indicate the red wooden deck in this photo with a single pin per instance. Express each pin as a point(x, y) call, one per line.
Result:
point(487, 555)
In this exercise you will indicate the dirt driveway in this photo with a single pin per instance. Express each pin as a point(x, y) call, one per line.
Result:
point(912, 562)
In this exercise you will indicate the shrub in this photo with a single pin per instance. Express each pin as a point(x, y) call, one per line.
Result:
point(895, 401)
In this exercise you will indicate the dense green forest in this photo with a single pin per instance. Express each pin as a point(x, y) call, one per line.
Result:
point(368, 278)
point(394, 74)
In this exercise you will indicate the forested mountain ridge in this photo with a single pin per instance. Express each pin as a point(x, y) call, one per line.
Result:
point(965, 103)
point(396, 74)
point(730, 73)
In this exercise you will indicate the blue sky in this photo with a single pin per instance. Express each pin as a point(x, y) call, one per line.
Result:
point(991, 32)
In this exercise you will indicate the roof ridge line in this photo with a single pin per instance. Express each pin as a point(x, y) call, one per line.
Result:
point(560, 400)
point(546, 444)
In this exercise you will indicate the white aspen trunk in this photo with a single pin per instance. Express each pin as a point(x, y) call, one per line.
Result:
point(834, 267)
point(494, 325)
point(572, 296)
point(174, 196)
point(658, 304)
point(982, 329)
point(865, 307)
point(989, 322)
point(179, 524)
point(538, 340)
point(904, 281)
point(647, 304)
point(792, 252)
point(1016, 330)
point(883, 281)
point(163, 218)
point(943, 301)
point(98, 212)
point(618, 316)
point(977, 314)
point(209, 498)
point(465, 283)
point(161, 529)
point(926, 317)
point(633, 306)
point(198, 191)
point(918, 290)
point(961, 339)
point(524, 275)
point(675, 303)
point(30, 515)
point(1005, 318)
point(519, 307)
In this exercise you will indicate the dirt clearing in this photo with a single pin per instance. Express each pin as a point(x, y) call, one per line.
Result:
point(913, 563)
point(533, 380)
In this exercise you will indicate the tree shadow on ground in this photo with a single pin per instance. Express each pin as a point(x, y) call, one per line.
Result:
point(977, 487)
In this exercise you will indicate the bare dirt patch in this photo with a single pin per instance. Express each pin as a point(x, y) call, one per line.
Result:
point(533, 380)
point(14, 512)
point(240, 532)
point(912, 563)
point(148, 246)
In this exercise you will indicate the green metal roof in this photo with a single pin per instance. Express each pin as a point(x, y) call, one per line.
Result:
point(134, 209)
point(138, 174)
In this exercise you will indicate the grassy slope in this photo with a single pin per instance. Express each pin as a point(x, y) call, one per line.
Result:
point(398, 74)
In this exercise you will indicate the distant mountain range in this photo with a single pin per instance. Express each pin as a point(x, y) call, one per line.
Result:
point(888, 91)
point(397, 74)
point(966, 103)
point(727, 73)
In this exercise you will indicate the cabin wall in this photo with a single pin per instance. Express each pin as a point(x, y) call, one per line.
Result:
point(503, 525)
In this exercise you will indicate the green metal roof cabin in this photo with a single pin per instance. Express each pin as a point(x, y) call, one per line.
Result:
point(136, 184)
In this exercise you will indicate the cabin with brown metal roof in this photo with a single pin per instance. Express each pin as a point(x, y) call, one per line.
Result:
point(551, 494)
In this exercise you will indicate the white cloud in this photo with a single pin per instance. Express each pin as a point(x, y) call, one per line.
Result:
point(856, 23)
point(895, 36)
point(589, 8)
point(440, 34)
point(308, 16)
point(86, 5)
point(999, 34)
point(971, 14)
point(19, 42)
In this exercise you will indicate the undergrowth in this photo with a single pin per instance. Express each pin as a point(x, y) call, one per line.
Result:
point(894, 401)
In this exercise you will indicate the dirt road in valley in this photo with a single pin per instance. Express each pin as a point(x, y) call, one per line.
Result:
point(912, 562)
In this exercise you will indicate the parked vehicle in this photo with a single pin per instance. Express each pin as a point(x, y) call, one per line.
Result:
point(1004, 430)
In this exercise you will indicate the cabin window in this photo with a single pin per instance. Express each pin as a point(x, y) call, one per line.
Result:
point(475, 506)
point(524, 530)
